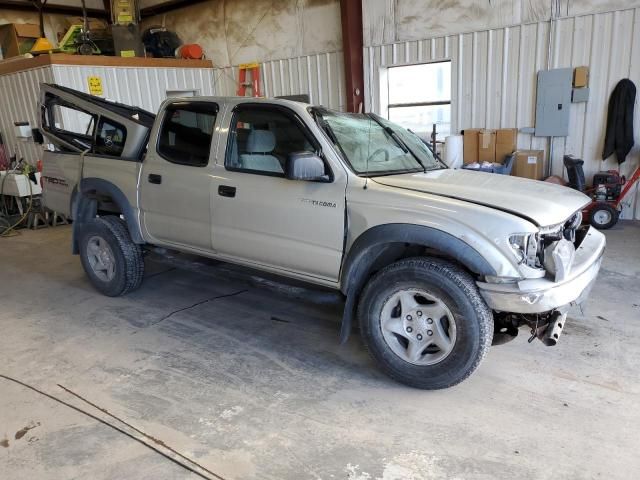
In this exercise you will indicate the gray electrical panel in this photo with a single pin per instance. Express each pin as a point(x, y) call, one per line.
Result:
point(553, 99)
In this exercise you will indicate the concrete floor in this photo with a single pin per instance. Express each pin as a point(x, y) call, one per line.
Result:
point(253, 384)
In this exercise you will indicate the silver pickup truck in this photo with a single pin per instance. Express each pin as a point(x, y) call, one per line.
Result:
point(435, 264)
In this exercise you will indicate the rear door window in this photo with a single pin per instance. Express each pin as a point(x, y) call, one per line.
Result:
point(70, 124)
point(72, 120)
point(186, 133)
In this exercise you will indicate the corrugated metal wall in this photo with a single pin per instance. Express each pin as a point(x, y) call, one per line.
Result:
point(19, 100)
point(494, 79)
point(143, 87)
point(321, 76)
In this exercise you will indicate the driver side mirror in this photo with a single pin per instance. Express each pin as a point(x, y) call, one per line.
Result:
point(305, 166)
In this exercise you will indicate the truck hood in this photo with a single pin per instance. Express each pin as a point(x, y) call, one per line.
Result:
point(543, 203)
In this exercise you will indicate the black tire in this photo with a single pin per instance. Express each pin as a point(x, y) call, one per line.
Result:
point(610, 212)
point(129, 260)
point(458, 291)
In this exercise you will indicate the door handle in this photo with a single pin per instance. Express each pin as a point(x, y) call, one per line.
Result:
point(155, 178)
point(226, 191)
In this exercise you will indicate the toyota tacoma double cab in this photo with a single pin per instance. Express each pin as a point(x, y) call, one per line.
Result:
point(434, 264)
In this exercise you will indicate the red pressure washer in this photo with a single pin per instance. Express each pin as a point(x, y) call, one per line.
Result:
point(607, 192)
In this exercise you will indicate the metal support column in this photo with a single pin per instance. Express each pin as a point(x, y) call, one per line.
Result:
point(351, 14)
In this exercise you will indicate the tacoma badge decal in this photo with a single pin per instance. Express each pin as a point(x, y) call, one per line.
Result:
point(318, 203)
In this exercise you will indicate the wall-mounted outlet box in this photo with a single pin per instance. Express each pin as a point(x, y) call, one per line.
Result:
point(23, 129)
point(580, 95)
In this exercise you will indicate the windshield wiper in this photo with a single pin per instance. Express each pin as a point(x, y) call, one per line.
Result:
point(384, 173)
point(322, 123)
point(428, 145)
point(405, 148)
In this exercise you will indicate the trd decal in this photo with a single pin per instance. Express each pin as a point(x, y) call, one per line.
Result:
point(56, 181)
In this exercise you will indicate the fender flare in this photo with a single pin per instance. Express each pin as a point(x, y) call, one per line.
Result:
point(382, 244)
point(84, 208)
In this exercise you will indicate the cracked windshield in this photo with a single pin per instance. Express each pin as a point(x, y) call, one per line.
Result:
point(375, 146)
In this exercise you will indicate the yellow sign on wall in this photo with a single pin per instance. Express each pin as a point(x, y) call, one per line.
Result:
point(95, 85)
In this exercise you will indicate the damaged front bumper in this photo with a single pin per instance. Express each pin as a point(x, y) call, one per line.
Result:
point(542, 295)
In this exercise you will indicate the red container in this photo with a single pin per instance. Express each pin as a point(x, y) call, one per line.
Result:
point(191, 51)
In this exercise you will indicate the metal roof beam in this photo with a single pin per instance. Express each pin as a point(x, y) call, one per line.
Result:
point(169, 6)
point(49, 8)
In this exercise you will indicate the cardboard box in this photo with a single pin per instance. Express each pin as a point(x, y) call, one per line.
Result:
point(487, 146)
point(529, 164)
point(506, 143)
point(581, 77)
point(483, 145)
point(18, 38)
point(470, 145)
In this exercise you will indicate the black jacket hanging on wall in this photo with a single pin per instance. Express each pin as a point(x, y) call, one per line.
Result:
point(619, 136)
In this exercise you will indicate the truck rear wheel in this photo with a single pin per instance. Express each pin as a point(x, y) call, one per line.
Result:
point(111, 260)
point(425, 323)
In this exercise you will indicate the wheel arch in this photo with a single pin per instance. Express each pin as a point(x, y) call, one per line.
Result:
point(85, 206)
point(384, 244)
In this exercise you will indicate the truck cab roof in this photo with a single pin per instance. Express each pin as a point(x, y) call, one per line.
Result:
point(234, 100)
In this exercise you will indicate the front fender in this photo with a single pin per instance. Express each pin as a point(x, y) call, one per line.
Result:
point(363, 251)
point(383, 244)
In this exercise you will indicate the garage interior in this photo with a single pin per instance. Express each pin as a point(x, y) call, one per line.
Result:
point(209, 370)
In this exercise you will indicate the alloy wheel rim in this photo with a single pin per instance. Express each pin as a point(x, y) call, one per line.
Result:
point(418, 327)
point(101, 258)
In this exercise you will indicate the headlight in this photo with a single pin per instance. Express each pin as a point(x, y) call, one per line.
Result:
point(525, 248)
point(570, 227)
point(574, 222)
point(518, 244)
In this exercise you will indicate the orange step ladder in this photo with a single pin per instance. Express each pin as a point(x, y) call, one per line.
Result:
point(254, 84)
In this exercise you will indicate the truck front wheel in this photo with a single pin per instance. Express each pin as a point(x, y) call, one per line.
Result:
point(425, 323)
point(111, 260)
